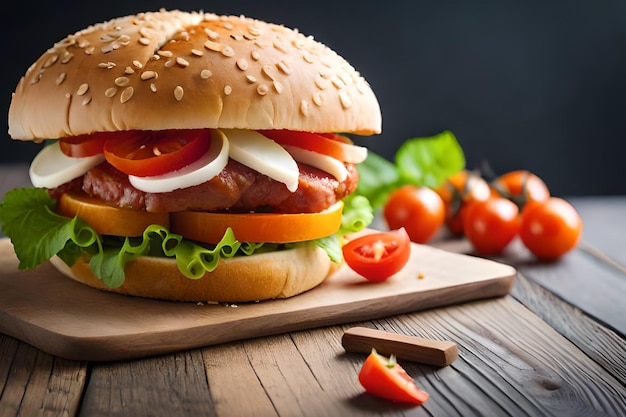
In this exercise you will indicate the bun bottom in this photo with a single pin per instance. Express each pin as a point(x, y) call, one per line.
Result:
point(279, 274)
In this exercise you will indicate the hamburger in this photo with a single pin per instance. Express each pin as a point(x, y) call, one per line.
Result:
point(190, 157)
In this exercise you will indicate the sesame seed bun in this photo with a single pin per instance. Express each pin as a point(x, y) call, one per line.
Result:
point(173, 69)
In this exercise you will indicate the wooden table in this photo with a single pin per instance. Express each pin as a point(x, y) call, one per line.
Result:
point(554, 347)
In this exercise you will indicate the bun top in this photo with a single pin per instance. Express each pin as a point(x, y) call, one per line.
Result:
point(173, 69)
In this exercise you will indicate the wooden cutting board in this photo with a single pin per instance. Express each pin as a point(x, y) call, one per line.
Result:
point(67, 319)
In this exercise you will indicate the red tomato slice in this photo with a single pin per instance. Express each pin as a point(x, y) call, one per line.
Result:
point(385, 378)
point(85, 145)
point(257, 227)
point(332, 145)
point(378, 256)
point(150, 153)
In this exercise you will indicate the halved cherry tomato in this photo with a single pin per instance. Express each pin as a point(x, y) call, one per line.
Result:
point(385, 378)
point(257, 227)
point(332, 145)
point(419, 210)
point(457, 192)
point(150, 153)
point(378, 256)
point(86, 145)
point(491, 225)
point(551, 228)
point(521, 187)
point(106, 219)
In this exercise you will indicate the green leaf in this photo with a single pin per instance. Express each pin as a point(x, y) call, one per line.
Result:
point(377, 177)
point(429, 161)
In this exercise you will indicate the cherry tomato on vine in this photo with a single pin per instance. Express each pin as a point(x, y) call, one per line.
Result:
point(385, 378)
point(457, 192)
point(419, 210)
point(377, 256)
point(521, 187)
point(551, 228)
point(491, 225)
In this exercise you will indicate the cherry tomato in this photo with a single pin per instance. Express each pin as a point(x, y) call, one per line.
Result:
point(521, 187)
point(85, 145)
point(457, 192)
point(150, 153)
point(377, 256)
point(551, 228)
point(385, 378)
point(491, 225)
point(419, 210)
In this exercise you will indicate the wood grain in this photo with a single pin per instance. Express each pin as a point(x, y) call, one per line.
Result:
point(81, 323)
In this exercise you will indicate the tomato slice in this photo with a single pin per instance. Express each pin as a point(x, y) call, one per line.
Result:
point(332, 145)
point(257, 227)
point(106, 219)
point(378, 256)
point(151, 153)
point(385, 378)
point(85, 145)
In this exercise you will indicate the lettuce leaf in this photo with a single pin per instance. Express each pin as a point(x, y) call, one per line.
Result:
point(421, 161)
point(38, 233)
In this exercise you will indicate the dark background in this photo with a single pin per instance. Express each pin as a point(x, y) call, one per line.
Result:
point(537, 85)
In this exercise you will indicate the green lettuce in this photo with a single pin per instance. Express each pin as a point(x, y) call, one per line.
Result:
point(421, 161)
point(38, 233)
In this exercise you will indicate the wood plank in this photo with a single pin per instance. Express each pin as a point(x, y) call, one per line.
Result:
point(604, 346)
point(172, 385)
point(35, 383)
point(85, 324)
point(510, 363)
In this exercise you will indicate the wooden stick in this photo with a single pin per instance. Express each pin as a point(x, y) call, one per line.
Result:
point(411, 348)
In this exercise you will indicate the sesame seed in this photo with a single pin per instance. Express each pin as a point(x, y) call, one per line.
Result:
point(166, 54)
point(255, 55)
point(278, 87)
point(304, 108)
point(228, 89)
point(50, 61)
point(267, 71)
point(279, 45)
point(337, 82)
point(121, 81)
point(137, 64)
point(251, 79)
point(124, 40)
point(307, 57)
point(89, 51)
point(213, 46)
point(211, 34)
point(86, 101)
point(148, 75)
point(128, 70)
point(182, 62)
point(110, 92)
point(153, 87)
point(205, 73)
point(107, 65)
point(144, 41)
point(345, 99)
point(60, 78)
point(67, 57)
point(169, 63)
point(318, 98)
point(197, 52)
point(178, 93)
point(228, 26)
point(242, 64)
point(262, 89)
point(321, 83)
point(254, 30)
point(82, 89)
point(127, 94)
point(228, 51)
point(284, 67)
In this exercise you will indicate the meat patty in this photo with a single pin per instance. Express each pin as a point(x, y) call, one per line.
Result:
point(236, 188)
